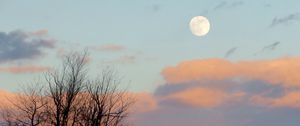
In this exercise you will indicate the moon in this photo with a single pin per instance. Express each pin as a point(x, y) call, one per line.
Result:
point(199, 25)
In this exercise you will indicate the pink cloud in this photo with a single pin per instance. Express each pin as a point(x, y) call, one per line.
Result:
point(24, 69)
point(5, 97)
point(284, 71)
point(290, 99)
point(200, 97)
point(144, 102)
point(281, 73)
point(204, 97)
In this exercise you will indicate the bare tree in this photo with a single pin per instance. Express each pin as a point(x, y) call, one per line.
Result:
point(70, 98)
point(64, 87)
point(27, 108)
point(105, 106)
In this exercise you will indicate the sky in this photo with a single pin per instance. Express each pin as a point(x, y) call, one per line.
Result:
point(244, 72)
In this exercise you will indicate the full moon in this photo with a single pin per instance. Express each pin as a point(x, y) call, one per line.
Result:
point(199, 25)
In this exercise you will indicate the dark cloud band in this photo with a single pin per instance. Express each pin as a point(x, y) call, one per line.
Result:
point(19, 45)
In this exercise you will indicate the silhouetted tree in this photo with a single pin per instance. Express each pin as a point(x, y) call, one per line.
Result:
point(106, 106)
point(70, 98)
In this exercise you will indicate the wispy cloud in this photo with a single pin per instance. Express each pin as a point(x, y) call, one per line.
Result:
point(226, 4)
point(230, 52)
point(19, 45)
point(156, 7)
point(285, 20)
point(42, 32)
point(23, 69)
point(267, 5)
point(109, 48)
point(270, 47)
point(126, 59)
point(220, 5)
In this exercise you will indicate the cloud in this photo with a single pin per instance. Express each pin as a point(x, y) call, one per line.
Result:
point(198, 97)
point(19, 45)
point(270, 47)
point(5, 97)
point(218, 92)
point(126, 59)
point(230, 52)
point(23, 69)
point(203, 97)
point(213, 83)
point(285, 20)
point(145, 102)
point(156, 7)
point(226, 4)
point(282, 71)
point(220, 5)
point(110, 48)
point(290, 99)
point(267, 5)
point(201, 94)
point(42, 32)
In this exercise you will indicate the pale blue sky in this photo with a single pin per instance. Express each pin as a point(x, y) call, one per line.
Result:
point(155, 32)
